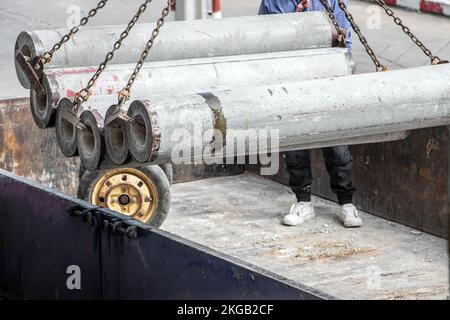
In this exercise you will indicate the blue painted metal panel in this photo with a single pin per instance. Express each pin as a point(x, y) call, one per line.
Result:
point(162, 266)
point(39, 240)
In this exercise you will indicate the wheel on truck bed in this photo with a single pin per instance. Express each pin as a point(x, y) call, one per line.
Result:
point(140, 193)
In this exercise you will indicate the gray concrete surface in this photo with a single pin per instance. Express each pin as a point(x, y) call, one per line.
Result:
point(241, 215)
point(388, 41)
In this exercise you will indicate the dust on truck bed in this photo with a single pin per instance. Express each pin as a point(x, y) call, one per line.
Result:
point(240, 216)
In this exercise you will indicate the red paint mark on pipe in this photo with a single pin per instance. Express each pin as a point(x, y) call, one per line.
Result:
point(70, 93)
point(69, 71)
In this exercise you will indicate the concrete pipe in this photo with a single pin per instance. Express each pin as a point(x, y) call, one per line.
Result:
point(66, 135)
point(91, 145)
point(229, 72)
point(322, 110)
point(180, 40)
point(191, 75)
point(106, 163)
point(177, 78)
point(87, 143)
point(88, 140)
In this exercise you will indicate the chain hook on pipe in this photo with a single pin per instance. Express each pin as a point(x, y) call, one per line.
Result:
point(83, 95)
point(341, 36)
point(125, 94)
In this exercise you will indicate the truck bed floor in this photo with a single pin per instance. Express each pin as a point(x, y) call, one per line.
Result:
point(240, 216)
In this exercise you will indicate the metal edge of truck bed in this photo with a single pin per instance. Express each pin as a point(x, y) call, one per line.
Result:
point(201, 271)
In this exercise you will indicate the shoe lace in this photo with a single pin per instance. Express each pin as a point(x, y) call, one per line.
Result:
point(353, 211)
point(297, 208)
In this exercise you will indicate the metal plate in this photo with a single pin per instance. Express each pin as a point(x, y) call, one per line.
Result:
point(163, 266)
point(39, 240)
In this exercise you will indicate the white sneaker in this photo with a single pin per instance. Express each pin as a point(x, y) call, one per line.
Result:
point(350, 217)
point(299, 213)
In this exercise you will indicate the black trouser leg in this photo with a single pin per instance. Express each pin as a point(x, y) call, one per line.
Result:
point(300, 176)
point(339, 163)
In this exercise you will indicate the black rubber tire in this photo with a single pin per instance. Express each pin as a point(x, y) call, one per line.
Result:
point(88, 180)
point(168, 170)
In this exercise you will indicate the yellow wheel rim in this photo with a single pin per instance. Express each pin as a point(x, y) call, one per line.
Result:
point(127, 191)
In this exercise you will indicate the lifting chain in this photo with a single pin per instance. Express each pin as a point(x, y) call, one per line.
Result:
point(379, 67)
point(434, 59)
point(125, 93)
point(340, 32)
point(83, 95)
point(48, 56)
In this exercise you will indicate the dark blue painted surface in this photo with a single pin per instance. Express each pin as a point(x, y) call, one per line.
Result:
point(159, 266)
point(39, 240)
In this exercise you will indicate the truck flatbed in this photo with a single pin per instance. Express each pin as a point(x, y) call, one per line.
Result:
point(240, 216)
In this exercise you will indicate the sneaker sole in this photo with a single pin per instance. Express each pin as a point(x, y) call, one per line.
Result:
point(353, 225)
point(299, 223)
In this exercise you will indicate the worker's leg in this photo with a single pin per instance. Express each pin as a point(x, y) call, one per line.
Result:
point(339, 163)
point(300, 179)
point(298, 165)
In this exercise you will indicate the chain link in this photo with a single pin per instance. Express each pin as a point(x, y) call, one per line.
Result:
point(48, 56)
point(340, 32)
point(434, 59)
point(125, 93)
point(83, 95)
point(379, 66)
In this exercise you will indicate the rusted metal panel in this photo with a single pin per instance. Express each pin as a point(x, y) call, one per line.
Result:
point(404, 181)
point(31, 152)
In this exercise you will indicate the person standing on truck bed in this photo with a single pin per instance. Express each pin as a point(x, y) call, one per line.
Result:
point(339, 161)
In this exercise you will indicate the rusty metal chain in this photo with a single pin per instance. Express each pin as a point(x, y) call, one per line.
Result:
point(83, 95)
point(125, 93)
point(434, 59)
point(379, 66)
point(340, 32)
point(48, 56)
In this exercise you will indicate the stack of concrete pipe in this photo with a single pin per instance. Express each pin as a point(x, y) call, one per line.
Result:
point(227, 75)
